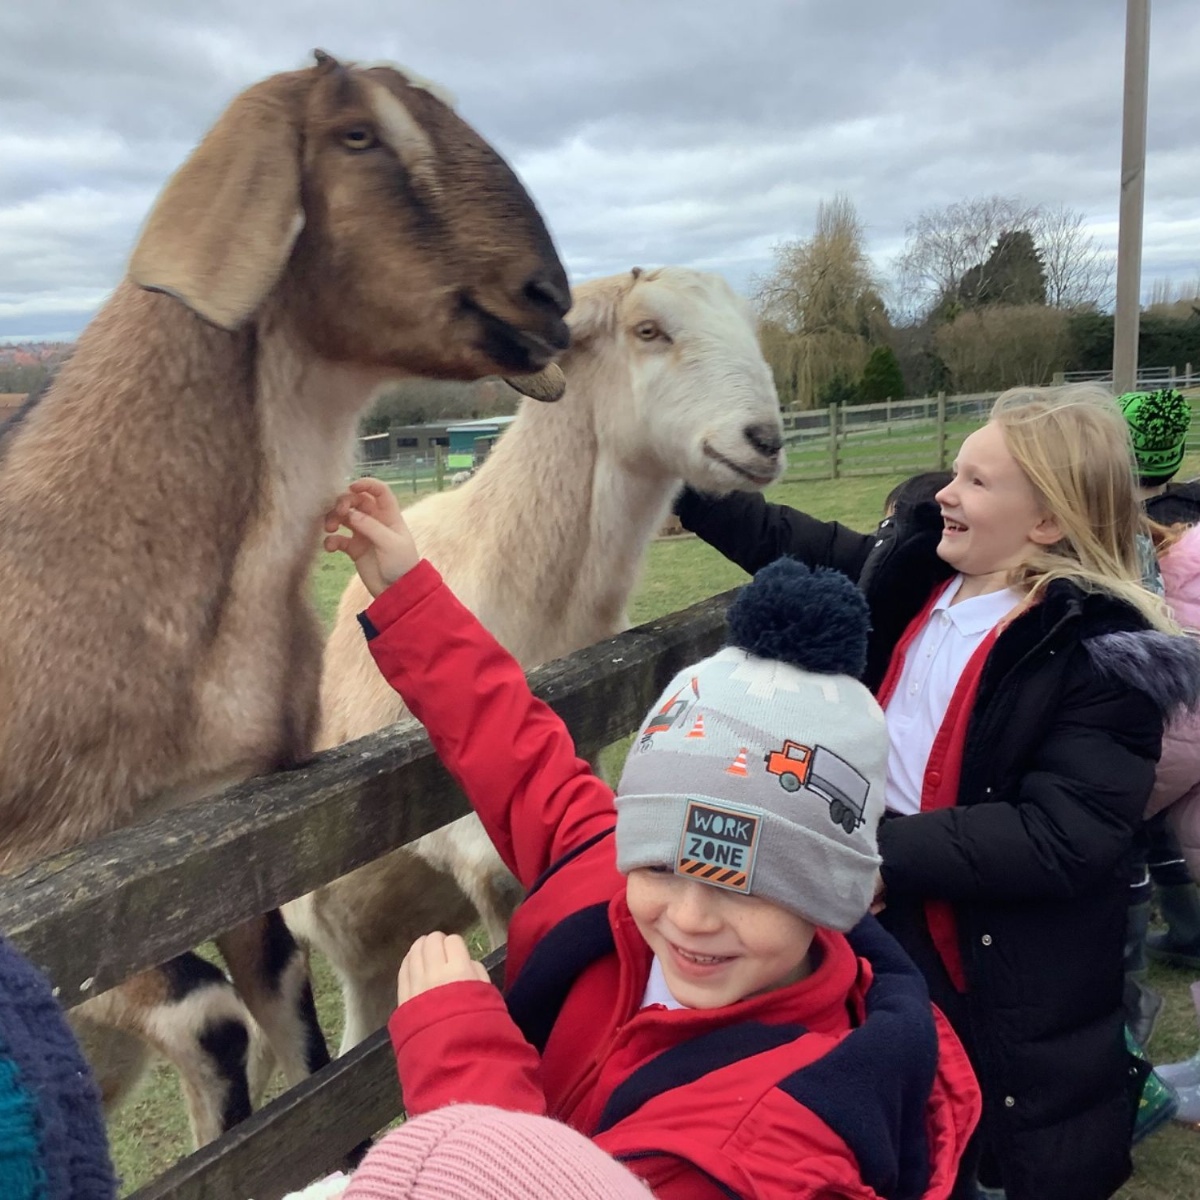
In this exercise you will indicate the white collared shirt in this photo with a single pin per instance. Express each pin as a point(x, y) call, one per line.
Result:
point(931, 671)
point(657, 991)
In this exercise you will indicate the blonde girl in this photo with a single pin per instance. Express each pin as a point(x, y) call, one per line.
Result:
point(1025, 675)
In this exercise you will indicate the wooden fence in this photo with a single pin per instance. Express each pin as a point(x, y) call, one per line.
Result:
point(96, 915)
point(898, 437)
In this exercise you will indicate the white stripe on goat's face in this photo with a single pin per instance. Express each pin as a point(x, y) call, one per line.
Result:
point(701, 402)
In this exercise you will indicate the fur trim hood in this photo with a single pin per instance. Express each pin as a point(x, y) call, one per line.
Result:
point(1164, 666)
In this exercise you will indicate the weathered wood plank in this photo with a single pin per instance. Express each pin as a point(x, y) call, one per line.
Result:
point(95, 915)
point(301, 1136)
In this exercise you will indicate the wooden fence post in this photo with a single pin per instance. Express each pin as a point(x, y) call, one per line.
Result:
point(941, 431)
point(833, 441)
point(439, 468)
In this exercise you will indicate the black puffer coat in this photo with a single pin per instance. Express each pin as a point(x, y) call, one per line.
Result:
point(1058, 764)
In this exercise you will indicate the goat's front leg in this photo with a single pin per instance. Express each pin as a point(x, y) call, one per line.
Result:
point(270, 971)
point(189, 1013)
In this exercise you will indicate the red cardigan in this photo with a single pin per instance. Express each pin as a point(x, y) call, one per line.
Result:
point(846, 1084)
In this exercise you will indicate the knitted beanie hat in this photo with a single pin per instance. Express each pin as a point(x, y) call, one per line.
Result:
point(1158, 427)
point(761, 769)
point(473, 1152)
point(52, 1138)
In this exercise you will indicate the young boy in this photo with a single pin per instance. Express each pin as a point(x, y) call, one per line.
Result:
point(692, 980)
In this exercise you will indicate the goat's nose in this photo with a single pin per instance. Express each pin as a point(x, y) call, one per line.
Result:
point(765, 438)
point(544, 290)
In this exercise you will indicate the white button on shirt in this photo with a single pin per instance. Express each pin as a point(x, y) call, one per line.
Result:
point(935, 661)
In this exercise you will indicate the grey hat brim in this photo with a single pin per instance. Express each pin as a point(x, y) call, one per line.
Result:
point(822, 878)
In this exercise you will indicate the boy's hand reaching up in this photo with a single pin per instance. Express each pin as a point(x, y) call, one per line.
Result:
point(434, 960)
point(379, 543)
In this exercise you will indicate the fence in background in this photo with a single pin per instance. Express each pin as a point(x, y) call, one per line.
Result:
point(1148, 377)
point(898, 437)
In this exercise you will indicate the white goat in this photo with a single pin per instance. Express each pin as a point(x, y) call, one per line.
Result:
point(665, 383)
point(160, 504)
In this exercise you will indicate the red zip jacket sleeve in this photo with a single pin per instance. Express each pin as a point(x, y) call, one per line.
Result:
point(456, 1044)
point(510, 753)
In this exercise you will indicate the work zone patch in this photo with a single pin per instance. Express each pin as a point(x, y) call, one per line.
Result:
point(718, 845)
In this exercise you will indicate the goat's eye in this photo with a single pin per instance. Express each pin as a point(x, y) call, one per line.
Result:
point(648, 331)
point(360, 138)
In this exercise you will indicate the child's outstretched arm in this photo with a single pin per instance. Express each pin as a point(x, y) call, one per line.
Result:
point(511, 753)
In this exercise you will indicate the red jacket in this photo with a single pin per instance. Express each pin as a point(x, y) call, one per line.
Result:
point(845, 1084)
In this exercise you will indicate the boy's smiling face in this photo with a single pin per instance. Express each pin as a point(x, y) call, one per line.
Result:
point(715, 946)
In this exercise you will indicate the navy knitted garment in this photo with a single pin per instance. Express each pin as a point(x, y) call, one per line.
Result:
point(52, 1138)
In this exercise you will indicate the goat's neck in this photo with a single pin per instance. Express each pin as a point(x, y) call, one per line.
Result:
point(308, 410)
point(571, 545)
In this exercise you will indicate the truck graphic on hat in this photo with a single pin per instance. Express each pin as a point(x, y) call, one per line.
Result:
point(824, 773)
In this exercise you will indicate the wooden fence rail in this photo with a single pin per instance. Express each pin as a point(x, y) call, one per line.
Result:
point(897, 437)
point(94, 916)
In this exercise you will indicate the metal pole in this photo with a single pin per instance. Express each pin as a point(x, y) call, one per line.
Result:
point(1133, 188)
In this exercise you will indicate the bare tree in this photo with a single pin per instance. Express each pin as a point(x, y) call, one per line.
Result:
point(945, 243)
point(1003, 346)
point(1171, 299)
point(1078, 272)
point(959, 242)
point(819, 307)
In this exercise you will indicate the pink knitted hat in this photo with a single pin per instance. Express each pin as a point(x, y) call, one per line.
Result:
point(472, 1152)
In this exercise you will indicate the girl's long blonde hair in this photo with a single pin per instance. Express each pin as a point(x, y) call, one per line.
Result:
point(1073, 445)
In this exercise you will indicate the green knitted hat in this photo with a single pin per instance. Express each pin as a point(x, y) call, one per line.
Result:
point(1158, 426)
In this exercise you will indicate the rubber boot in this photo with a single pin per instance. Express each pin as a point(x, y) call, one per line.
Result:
point(1142, 1004)
point(1179, 944)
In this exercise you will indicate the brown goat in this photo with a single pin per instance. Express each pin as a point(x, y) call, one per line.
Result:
point(160, 504)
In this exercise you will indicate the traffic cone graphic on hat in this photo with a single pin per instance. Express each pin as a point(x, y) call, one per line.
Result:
point(738, 767)
point(697, 730)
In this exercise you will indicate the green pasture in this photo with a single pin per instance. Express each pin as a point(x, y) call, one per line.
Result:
point(151, 1131)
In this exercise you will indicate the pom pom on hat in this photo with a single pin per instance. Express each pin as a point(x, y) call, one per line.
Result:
point(816, 620)
point(1158, 427)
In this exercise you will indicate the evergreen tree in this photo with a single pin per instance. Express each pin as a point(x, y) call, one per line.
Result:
point(881, 377)
point(838, 390)
point(1012, 274)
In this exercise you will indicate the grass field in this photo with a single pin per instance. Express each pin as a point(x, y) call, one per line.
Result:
point(151, 1131)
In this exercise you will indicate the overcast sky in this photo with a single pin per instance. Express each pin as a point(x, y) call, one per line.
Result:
point(700, 132)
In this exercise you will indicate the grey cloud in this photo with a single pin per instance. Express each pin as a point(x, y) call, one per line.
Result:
point(699, 132)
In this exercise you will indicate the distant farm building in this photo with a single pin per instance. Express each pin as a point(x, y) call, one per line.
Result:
point(403, 441)
point(464, 443)
point(471, 441)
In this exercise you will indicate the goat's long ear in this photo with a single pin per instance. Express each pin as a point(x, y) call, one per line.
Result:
point(220, 234)
point(546, 385)
point(594, 308)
